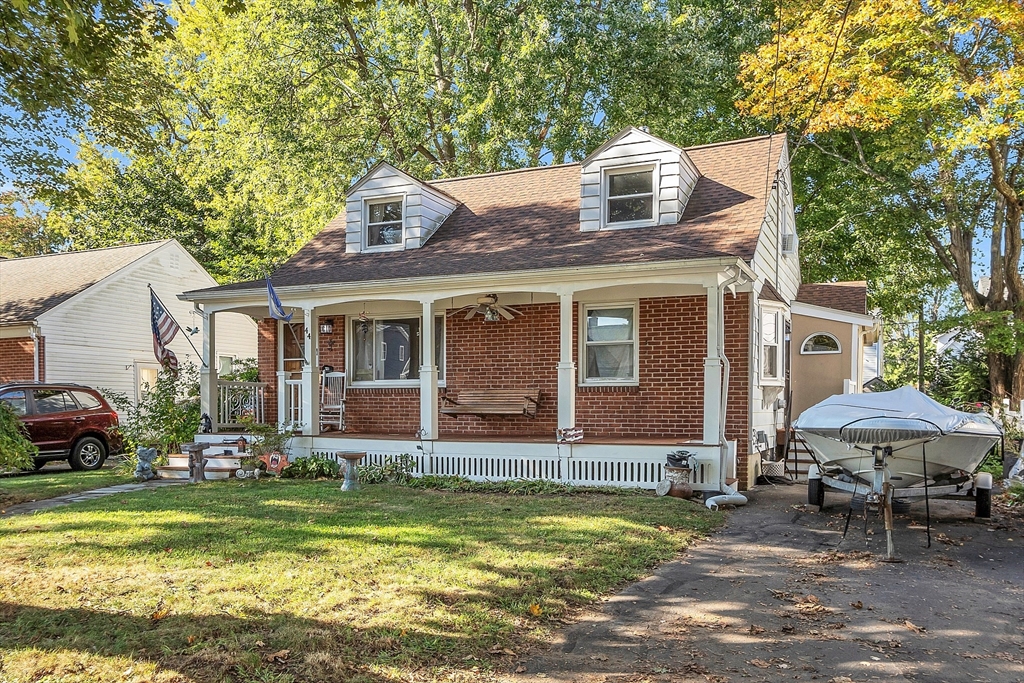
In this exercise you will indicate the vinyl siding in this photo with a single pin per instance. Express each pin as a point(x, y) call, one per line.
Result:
point(675, 177)
point(98, 336)
point(424, 208)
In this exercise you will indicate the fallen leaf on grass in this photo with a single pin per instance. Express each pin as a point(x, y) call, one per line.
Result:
point(535, 610)
point(281, 656)
point(160, 613)
point(191, 639)
point(260, 643)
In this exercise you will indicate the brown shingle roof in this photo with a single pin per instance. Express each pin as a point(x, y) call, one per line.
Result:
point(529, 219)
point(842, 296)
point(769, 293)
point(32, 285)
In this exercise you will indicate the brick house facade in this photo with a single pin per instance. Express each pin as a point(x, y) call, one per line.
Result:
point(18, 362)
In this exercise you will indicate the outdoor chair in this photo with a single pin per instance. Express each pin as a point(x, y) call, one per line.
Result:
point(332, 401)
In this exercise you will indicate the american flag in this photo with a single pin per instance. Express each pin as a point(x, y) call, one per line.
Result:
point(164, 329)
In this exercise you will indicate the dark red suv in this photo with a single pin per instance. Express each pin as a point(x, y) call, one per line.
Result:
point(65, 422)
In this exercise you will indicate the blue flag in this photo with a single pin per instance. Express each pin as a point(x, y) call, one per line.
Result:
point(276, 309)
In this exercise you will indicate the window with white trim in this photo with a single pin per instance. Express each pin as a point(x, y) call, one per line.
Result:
point(609, 344)
point(629, 196)
point(387, 350)
point(384, 223)
point(820, 343)
point(772, 334)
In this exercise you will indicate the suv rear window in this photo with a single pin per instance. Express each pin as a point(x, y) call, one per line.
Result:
point(17, 401)
point(52, 401)
point(86, 400)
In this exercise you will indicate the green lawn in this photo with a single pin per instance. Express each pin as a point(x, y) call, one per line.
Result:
point(14, 490)
point(209, 582)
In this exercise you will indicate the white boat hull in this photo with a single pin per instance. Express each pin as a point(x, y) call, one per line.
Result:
point(949, 455)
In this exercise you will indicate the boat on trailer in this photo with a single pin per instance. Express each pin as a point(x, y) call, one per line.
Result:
point(877, 445)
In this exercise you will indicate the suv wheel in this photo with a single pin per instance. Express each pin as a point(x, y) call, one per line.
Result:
point(88, 454)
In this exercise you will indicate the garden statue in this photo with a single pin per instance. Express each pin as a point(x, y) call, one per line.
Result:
point(144, 470)
point(205, 424)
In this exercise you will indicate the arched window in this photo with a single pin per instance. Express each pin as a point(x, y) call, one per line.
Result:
point(821, 342)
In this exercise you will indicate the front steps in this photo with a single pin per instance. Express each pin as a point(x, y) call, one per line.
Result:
point(222, 458)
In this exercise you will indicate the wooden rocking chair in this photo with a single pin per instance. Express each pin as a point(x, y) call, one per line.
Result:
point(332, 401)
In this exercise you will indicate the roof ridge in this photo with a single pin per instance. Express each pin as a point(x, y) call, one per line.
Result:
point(505, 172)
point(734, 142)
point(84, 251)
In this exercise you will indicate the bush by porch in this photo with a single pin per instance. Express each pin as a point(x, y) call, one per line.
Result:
point(208, 583)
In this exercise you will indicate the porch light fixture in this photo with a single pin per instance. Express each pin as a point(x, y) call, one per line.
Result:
point(327, 327)
point(491, 315)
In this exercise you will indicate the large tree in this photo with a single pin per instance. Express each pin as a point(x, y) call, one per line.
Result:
point(263, 117)
point(924, 101)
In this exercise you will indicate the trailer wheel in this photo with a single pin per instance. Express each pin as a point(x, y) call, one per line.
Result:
point(816, 492)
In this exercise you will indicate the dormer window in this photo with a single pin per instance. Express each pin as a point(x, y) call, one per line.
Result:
point(384, 223)
point(629, 196)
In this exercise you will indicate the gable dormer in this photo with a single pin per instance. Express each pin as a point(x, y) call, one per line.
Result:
point(635, 180)
point(389, 210)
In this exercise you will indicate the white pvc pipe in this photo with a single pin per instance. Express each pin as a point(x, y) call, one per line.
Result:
point(730, 497)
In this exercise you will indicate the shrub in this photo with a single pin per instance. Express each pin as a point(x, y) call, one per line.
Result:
point(166, 417)
point(313, 467)
point(16, 451)
point(397, 470)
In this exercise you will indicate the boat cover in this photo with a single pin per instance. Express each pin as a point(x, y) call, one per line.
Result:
point(887, 417)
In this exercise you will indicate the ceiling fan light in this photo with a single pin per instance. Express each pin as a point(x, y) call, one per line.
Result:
point(491, 315)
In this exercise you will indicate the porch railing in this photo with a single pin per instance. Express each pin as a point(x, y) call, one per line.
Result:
point(236, 400)
point(293, 401)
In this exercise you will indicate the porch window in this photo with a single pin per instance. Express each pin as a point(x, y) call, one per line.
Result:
point(772, 326)
point(629, 196)
point(388, 350)
point(384, 223)
point(609, 344)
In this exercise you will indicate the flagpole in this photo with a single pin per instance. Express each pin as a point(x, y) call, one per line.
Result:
point(187, 338)
point(288, 324)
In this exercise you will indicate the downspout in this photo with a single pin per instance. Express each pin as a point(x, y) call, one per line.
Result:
point(34, 334)
point(732, 496)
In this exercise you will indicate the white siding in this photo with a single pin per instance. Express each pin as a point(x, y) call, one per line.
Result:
point(675, 176)
point(424, 207)
point(782, 270)
point(97, 337)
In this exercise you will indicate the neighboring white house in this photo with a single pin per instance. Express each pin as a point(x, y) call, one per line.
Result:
point(84, 316)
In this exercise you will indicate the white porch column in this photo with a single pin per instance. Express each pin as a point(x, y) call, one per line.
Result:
point(311, 374)
point(712, 371)
point(282, 388)
point(428, 375)
point(208, 370)
point(566, 365)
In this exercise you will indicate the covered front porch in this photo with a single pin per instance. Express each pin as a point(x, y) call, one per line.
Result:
point(608, 412)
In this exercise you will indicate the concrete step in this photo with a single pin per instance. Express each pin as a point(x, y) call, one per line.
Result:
point(222, 461)
point(173, 472)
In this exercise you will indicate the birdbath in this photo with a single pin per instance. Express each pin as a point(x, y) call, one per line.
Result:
point(351, 478)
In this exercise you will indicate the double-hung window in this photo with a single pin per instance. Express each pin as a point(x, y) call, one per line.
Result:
point(609, 344)
point(772, 334)
point(629, 196)
point(388, 349)
point(384, 222)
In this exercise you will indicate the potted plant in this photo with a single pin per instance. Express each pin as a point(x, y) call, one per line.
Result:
point(267, 441)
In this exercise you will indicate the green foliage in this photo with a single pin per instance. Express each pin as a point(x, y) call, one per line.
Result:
point(313, 467)
point(167, 416)
point(268, 438)
point(1013, 497)
point(396, 470)
point(243, 370)
point(16, 451)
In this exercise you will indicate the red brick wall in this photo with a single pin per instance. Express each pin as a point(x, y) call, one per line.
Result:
point(672, 333)
point(266, 356)
point(16, 359)
point(517, 353)
point(737, 350)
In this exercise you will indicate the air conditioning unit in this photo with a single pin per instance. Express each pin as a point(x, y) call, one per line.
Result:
point(788, 243)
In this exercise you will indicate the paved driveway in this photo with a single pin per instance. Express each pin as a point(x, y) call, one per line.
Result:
point(768, 599)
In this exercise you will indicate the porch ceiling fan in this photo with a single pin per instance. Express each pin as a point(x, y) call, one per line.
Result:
point(489, 307)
